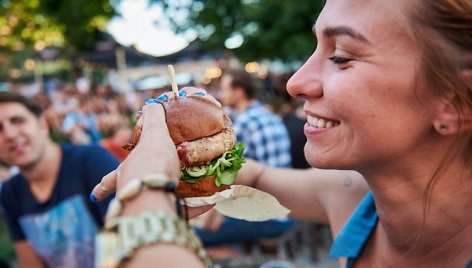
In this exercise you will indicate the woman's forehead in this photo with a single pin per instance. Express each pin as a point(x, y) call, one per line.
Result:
point(367, 17)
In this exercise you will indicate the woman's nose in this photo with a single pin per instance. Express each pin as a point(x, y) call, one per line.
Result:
point(306, 82)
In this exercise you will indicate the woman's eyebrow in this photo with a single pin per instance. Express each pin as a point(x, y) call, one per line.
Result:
point(342, 30)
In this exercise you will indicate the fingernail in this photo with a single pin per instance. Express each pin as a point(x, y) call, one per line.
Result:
point(151, 100)
point(162, 97)
point(199, 93)
point(182, 93)
point(139, 113)
point(93, 198)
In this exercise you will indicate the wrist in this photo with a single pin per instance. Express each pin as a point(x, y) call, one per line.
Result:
point(138, 195)
point(151, 200)
point(259, 173)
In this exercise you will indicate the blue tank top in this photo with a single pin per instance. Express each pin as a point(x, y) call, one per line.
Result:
point(354, 234)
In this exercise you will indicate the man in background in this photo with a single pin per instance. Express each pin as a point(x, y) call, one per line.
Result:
point(266, 140)
point(120, 134)
point(50, 218)
point(263, 132)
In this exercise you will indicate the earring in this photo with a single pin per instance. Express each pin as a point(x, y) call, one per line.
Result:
point(442, 127)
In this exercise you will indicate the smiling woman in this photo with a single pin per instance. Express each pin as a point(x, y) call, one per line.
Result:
point(397, 123)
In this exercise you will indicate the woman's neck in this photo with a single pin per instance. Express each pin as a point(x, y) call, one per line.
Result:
point(415, 222)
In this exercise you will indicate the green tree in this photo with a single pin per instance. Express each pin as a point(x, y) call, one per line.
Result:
point(270, 29)
point(29, 26)
point(43, 23)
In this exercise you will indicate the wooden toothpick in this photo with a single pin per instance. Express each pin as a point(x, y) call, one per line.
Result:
point(173, 83)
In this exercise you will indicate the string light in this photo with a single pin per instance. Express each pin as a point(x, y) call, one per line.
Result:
point(252, 67)
point(15, 73)
point(29, 64)
point(212, 73)
point(39, 45)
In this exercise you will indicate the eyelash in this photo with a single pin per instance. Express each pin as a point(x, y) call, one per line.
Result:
point(339, 60)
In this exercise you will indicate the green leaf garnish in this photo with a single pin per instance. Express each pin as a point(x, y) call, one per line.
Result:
point(224, 168)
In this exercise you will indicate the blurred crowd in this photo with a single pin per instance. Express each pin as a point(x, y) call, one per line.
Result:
point(103, 116)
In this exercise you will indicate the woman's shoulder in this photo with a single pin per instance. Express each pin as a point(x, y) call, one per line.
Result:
point(340, 193)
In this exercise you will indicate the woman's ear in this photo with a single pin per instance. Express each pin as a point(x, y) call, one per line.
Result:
point(447, 120)
point(450, 120)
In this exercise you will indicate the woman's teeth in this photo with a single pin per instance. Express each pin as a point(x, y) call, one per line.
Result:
point(320, 123)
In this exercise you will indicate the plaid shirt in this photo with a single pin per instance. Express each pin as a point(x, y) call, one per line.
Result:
point(265, 136)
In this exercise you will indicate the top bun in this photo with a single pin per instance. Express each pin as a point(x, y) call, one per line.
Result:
point(194, 117)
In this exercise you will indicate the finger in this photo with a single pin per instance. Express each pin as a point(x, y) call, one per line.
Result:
point(106, 186)
point(139, 123)
point(195, 211)
point(154, 125)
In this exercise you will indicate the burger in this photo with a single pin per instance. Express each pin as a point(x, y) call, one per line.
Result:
point(206, 144)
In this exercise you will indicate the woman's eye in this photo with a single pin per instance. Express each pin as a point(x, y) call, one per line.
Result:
point(339, 60)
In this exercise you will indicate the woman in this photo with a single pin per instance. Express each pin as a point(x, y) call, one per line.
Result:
point(388, 93)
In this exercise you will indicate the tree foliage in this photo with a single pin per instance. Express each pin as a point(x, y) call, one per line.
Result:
point(43, 23)
point(271, 29)
point(30, 26)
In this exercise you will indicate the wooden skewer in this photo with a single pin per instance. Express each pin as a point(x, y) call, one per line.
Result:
point(173, 83)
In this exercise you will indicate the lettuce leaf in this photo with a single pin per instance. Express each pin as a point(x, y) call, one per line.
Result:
point(224, 168)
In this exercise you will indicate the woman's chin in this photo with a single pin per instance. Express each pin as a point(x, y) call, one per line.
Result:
point(320, 164)
point(315, 158)
point(324, 160)
point(318, 161)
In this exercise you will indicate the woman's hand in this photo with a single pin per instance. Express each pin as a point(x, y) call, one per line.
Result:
point(155, 153)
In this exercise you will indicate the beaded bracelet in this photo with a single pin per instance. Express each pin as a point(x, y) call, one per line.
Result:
point(133, 188)
point(123, 235)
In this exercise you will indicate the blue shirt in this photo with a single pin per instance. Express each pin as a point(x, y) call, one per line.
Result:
point(354, 234)
point(88, 123)
point(62, 229)
point(265, 136)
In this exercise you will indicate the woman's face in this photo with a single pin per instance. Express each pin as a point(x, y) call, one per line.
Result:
point(365, 102)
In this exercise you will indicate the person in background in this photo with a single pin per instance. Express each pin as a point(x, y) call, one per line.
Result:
point(266, 140)
point(388, 94)
point(262, 131)
point(5, 173)
point(119, 135)
point(294, 119)
point(53, 115)
point(49, 215)
point(81, 125)
point(111, 113)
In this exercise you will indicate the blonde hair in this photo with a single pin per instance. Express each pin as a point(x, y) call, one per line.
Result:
point(443, 31)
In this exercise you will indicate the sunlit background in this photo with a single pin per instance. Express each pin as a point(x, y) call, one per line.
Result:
point(147, 28)
point(129, 42)
point(115, 53)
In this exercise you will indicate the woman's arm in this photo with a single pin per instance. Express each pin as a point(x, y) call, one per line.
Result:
point(311, 194)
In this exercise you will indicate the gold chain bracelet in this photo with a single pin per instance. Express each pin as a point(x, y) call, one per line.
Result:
point(144, 229)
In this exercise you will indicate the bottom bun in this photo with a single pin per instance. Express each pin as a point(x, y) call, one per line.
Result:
point(204, 187)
